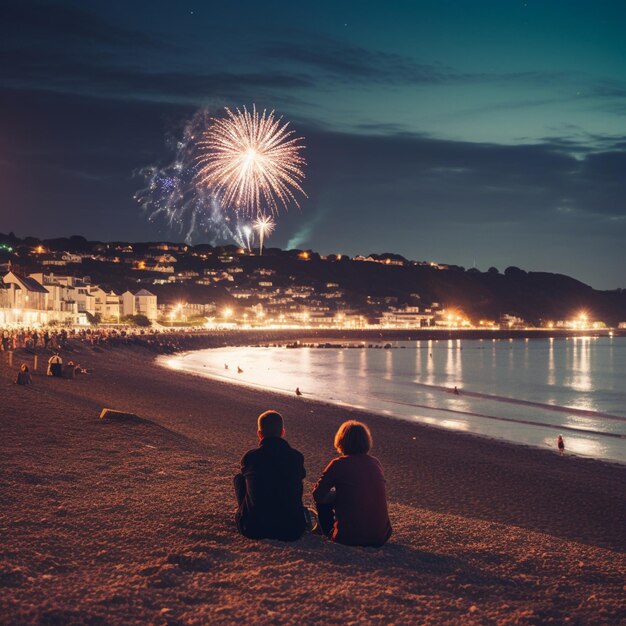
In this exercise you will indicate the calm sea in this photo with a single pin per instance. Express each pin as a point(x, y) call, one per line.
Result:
point(524, 391)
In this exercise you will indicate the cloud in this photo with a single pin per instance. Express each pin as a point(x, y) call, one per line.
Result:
point(135, 82)
point(470, 180)
point(66, 49)
point(356, 64)
point(67, 25)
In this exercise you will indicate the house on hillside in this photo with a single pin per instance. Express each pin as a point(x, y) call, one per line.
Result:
point(141, 303)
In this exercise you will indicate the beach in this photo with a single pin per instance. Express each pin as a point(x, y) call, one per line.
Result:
point(107, 522)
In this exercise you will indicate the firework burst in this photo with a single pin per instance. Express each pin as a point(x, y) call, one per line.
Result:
point(264, 226)
point(251, 161)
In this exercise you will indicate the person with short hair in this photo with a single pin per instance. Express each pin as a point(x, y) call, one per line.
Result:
point(269, 486)
point(351, 496)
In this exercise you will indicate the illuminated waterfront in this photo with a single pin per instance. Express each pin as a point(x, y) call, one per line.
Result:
point(526, 391)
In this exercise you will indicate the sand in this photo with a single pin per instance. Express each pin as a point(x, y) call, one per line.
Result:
point(132, 523)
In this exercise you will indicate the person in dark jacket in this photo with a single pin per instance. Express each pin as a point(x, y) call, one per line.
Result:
point(269, 487)
point(350, 496)
point(23, 376)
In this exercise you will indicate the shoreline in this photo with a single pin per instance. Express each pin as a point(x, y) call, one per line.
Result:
point(440, 429)
point(253, 336)
point(162, 361)
point(117, 521)
point(168, 342)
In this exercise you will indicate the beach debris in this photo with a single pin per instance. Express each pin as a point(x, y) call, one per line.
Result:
point(121, 416)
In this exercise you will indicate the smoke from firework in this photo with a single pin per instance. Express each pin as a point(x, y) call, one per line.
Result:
point(171, 195)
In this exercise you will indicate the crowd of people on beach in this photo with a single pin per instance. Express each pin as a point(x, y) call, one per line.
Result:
point(350, 496)
point(161, 340)
point(54, 338)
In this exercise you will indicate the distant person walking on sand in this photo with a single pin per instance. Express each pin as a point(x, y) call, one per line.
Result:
point(350, 496)
point(55, 365)
point(269, 487)
point(560, 444)
point(23, 376)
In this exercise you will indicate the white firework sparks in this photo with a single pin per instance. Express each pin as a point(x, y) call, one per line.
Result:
point(252, 162)
point(264, 226)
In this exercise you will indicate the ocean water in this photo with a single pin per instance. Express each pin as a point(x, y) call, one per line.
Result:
point(523, 391)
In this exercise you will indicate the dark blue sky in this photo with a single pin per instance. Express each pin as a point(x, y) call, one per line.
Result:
point(487, 132)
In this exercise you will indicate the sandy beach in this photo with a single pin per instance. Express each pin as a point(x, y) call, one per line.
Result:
point(132, 523)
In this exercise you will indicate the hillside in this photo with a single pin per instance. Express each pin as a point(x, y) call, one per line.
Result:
point(367, 285)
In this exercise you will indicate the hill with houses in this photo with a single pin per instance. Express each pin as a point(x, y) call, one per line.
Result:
point(302, 285)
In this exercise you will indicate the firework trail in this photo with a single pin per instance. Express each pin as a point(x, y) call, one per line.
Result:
point(264, 225)
point(251, 161)
point(171, 194)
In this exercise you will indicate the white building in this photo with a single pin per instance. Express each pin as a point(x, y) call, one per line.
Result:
point(141, 303)
point(26, 301)
point(409, 317)
point(71, 292)
point(108, 303)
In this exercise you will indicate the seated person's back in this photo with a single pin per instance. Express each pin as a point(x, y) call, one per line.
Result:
point(269, 487)
point(355, 513)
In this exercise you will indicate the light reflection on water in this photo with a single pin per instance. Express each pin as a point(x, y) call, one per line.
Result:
point(416, 383)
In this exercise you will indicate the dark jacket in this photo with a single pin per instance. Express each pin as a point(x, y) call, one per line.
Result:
point(272, 507)
point(361, 517)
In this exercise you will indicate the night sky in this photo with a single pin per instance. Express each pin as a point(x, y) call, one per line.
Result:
point(478, 132)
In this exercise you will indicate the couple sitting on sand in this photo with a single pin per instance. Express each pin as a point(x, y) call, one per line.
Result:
point(350, 495)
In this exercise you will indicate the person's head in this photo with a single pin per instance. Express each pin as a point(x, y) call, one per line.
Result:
point(353, 438)
point(270, 424)
point(23, 367)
